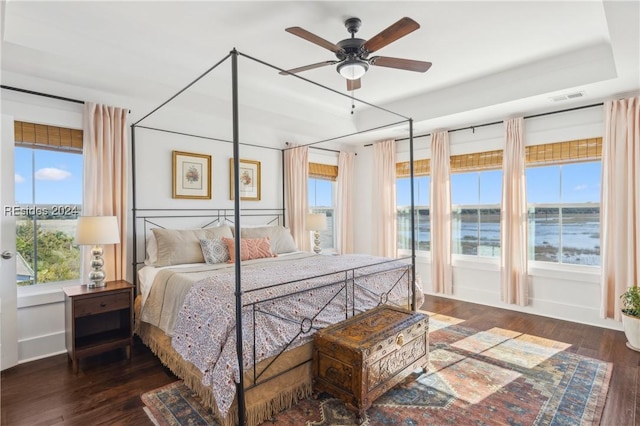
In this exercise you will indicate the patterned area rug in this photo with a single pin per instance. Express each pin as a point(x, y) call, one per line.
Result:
point(492, 377)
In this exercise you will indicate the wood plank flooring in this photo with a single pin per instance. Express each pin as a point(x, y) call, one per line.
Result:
point(107, 389)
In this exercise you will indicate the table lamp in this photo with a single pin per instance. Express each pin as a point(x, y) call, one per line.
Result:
point(316, 222)
point(96, 231)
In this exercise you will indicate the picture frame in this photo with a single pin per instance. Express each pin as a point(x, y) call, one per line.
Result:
point(250, 180)
point(191, 175)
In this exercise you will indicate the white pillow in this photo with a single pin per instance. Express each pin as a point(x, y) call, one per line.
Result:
point(280, 237)
point(152, 249)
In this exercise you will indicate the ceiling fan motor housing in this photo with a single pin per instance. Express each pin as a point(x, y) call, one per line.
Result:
point(351, 48)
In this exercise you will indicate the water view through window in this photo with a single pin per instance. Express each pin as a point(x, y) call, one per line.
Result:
point(563, 214)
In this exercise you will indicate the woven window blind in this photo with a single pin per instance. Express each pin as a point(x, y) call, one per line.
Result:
point(488, 160)
point(551, 153)
point(323, 171)
point(47, 137)
point(420, 168)
point(564, 152)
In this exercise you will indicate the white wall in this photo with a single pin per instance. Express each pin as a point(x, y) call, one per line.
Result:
point(560, 291)
point(153, 151)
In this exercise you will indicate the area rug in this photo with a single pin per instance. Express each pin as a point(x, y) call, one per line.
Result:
point(490, 377)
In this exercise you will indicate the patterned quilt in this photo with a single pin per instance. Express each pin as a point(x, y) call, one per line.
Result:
point(312, 297)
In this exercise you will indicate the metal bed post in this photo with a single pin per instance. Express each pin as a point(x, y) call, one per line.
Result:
point(413, 219)
point(134, 213)
point(284, 219)
point(236, 214)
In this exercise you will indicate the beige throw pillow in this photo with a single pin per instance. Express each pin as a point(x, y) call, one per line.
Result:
point(178, 246)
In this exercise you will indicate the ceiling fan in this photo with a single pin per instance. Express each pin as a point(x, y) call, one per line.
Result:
point(353, 53)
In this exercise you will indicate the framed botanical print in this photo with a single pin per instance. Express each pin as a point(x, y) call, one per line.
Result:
point(191, 175)
point(249, 180)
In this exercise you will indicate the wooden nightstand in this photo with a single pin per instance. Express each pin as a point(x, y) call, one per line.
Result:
point(98, 320)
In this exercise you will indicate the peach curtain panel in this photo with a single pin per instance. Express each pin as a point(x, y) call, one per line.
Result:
point(296, 178)
point(620, 203)
point(105, 178)
point(441, 269)
point(513, 227)
point(344, 207)
point(384, 199)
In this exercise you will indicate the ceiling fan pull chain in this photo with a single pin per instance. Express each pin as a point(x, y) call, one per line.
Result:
point(353, 105)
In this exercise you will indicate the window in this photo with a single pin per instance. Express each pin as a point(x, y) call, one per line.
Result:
point(48, 195)
point(564, 213)
point(475, 199)
point(321, 201)
point(422, 221)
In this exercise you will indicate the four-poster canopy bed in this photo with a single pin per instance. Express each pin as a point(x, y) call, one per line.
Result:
point(239, 332)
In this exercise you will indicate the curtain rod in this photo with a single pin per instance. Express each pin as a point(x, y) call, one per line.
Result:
point(500, 122)
point(45, 95)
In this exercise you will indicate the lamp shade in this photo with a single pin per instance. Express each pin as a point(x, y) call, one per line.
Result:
point(316, 222)
point(94, 230)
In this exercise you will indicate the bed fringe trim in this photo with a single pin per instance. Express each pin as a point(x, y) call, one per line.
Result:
point(255, 415)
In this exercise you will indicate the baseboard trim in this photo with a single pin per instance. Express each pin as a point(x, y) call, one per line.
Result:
point(39, 347)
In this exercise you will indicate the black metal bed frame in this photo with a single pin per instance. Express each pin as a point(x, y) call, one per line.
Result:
point(233, 55)
point(345, 287)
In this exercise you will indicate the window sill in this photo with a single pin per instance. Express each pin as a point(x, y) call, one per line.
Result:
point(476, 262)
point(582, 273)
point(423, 256)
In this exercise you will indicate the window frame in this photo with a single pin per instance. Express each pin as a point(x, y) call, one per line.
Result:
point(478, 207)
point(323, 209)
point(53, 210)
point(559, 264)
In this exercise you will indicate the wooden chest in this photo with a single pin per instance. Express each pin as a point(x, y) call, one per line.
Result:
point(359, 359)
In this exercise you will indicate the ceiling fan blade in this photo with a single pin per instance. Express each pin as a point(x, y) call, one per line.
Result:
point(307, 67)
point(403, 64)
point(353, 84)
point(300, 32)
point(400, 29)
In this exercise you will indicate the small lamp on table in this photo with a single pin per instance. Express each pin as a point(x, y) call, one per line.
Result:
point(97, 231)
point(316, 222)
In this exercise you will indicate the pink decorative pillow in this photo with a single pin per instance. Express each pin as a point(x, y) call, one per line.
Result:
point(250, 248)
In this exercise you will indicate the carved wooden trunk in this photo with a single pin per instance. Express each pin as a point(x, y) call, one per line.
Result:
point(359, 359)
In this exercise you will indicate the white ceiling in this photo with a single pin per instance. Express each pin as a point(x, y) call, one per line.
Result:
point(490, 60)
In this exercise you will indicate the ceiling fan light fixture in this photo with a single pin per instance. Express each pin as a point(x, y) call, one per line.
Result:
point(353, 69)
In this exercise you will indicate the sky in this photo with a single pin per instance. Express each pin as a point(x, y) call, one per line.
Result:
point(58, 179)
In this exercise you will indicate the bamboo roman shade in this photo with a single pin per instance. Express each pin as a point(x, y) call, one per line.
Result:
point(420, 168)
point(489, 160)
point(564, 152)
point(47, 137)
point(536, 155)
point(323, 171)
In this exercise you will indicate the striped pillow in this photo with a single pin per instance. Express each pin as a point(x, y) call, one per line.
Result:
point(250, 248)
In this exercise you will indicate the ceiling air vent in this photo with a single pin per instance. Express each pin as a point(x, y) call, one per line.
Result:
point(567, 96)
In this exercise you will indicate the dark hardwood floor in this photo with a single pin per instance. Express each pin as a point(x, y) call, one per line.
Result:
point(107, 389)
